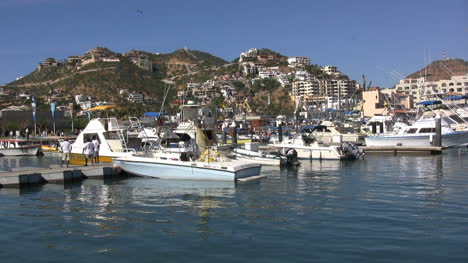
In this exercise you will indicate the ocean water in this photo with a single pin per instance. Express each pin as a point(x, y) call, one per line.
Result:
point(383, 209)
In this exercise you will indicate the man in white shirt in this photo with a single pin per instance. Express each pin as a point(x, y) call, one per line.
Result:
point(88, 151)
point(66, 147)
point(96, 149)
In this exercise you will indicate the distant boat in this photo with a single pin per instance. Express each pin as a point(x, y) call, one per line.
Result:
point(308, 148)
point(328, 132)
point(18, 147)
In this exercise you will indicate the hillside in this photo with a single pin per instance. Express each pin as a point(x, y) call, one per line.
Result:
point(442, 69)
point(102, 73)
point(101, 80)
point(184, 61)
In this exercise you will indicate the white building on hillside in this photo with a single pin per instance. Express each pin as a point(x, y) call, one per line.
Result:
point(303, 75)
point(135, 97)
point(284, 79)
point(332, 71)
point(251, 53)
point(298, 61)
point(421, 90)
point(303, 88)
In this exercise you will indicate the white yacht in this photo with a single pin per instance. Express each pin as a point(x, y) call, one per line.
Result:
point(420, 134)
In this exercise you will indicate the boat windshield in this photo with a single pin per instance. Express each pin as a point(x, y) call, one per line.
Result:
point(456, 119)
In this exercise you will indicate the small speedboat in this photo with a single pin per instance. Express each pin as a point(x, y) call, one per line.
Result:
point(18, 147)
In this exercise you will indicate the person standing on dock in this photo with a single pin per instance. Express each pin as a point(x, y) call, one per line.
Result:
point(96, 149)
point(66, 150)
point(88, 152)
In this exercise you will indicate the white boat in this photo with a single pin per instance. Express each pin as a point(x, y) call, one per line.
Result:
point(263, 158)
point(312, 150)
point(163, 167)
point(111, 138)
point(18, 147)
point(328, 132)
point(420, 134)
point(250, 152)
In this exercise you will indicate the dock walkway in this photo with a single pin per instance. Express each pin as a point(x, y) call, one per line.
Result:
point(401, 149)
point(33, 175)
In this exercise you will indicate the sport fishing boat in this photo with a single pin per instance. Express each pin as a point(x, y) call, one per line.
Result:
point(250, 152)
point(208, 167)
point(18, 147)
point(328, 132)
point(309, 148)
point(454, 130)
point(111, 136)
point(420, 134)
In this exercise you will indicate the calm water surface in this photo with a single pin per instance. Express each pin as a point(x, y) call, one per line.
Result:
point(383, 209)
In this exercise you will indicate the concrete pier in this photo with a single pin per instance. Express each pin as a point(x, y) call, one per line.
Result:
point(401, 149)
point(54, 174)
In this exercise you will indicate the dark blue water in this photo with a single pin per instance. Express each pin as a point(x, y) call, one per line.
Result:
point(383, 209)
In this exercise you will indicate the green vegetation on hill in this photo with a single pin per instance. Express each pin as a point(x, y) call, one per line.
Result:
point(442, 69)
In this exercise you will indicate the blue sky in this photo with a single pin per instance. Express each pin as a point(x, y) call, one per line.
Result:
point(379, 39)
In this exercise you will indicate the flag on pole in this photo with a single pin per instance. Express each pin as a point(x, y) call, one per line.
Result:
point(88, 106)
point(70, 106)
point(53, 105)
point(33, 106)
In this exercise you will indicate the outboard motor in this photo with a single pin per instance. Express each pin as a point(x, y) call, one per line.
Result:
point(290, 159)
point(352, 151)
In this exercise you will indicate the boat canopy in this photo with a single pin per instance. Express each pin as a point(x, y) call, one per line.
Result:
point(310, 128)
point(455, 97)
point(351, 112)
point(154, 114)
point(429, 102)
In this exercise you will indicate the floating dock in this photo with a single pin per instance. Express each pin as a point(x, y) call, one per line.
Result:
point(401, 149)
point(54, 174)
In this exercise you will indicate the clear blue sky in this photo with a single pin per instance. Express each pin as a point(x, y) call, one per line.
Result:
point(375, 38)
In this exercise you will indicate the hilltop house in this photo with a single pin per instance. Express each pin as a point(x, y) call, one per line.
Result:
point(331, 70)
point(294, 62)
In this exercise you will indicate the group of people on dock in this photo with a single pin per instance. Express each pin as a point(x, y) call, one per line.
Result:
point(90, 151)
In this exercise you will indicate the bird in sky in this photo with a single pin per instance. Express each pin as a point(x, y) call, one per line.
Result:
point(139, 11)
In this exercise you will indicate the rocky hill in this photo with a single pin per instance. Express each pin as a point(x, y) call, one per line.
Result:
point(102, 73)
point(442, 69)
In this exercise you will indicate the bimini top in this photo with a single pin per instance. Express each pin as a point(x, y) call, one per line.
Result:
point(455, 97)
point(154, 114)
point(429, 102)
point(351, 112)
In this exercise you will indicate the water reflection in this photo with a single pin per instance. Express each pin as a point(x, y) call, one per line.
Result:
point(8, 162)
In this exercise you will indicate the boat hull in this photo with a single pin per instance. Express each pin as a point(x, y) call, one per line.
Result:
point(452, 139)
point(178, 170)
point(20, 151)
point(79, 159)
point(313, 152)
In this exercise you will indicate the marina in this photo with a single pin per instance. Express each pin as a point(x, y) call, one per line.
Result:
point(389, 207)
point(233, 131)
